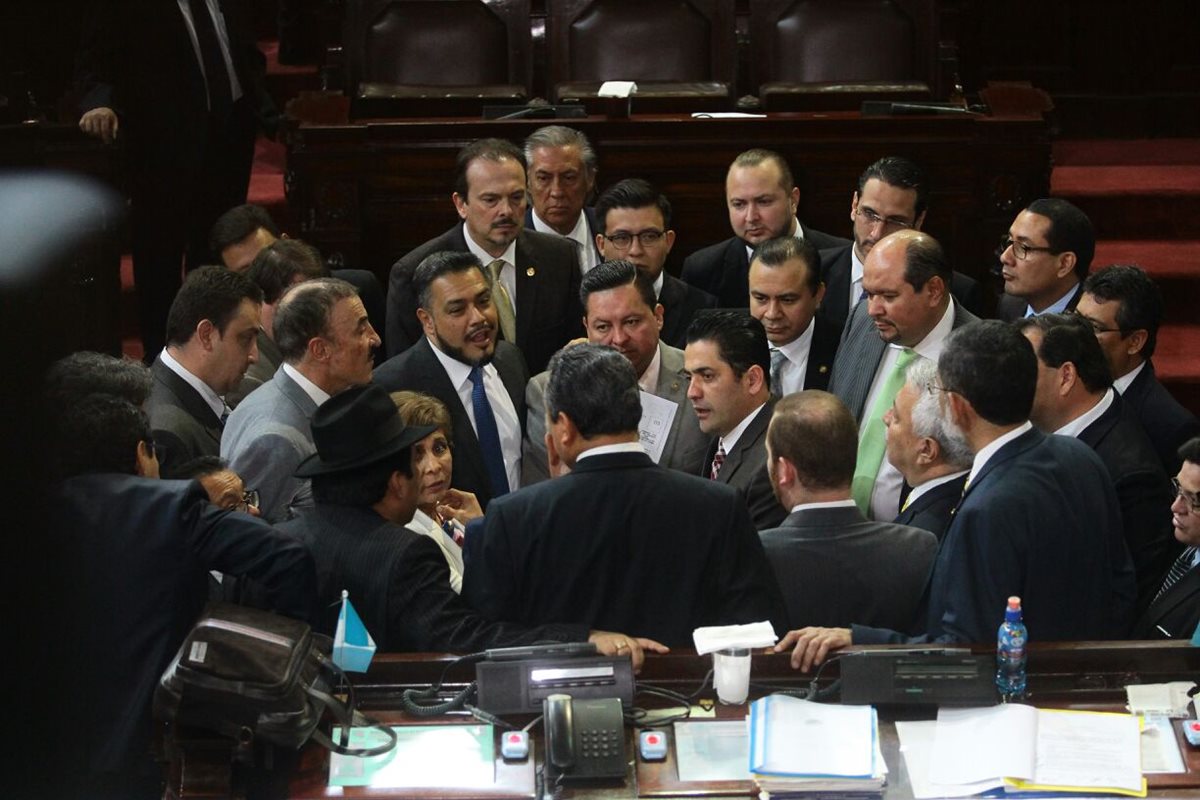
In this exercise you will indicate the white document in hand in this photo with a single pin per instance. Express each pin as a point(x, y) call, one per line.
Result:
point(655, 425)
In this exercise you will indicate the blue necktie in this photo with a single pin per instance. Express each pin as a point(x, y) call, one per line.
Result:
point(489, 434)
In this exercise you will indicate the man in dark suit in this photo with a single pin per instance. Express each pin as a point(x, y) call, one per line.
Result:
point(535, 275)
point(785, 290)
point(458, 361)
point(1125, 308)
point(1045, 259)
point(1039, 518)
point(621, 313)
point(933, 458)
point(135, 556)
point(212, 338)
point(597, 546)
point(908, 314)
point(728, 361)
point(636, 222)
point(892, 195)
point(1174, 610)
point(562, 172)
point(180, 84)
point(1075, 398)
point(397, 579)
point(762, 197)
point(833, 565)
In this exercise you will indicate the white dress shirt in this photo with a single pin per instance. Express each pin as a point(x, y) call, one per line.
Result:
point(423, 524)
point(508, 273)
point(856, 276)
point(318, 395)
point(581, 235)
point(1077, 425)
point(1057, 307)
point(825, 504)
point(795, 360)
point(605, 449)
point(648, 381)
point(1121, 384)
point(210, 397)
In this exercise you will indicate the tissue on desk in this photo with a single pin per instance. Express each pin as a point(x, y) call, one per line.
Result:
point(616, 89)
point(719, 637)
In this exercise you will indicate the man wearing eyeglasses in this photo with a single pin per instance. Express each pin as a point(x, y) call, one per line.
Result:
point(1044, 259)
point(636, 220)
point(762, 198)
point(1174, 611)
point(892, 195)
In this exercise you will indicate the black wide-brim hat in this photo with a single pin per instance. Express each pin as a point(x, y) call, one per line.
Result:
point(356, 428)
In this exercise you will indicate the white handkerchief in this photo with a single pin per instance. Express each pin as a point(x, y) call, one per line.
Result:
point(719, 637)
point(617, 89)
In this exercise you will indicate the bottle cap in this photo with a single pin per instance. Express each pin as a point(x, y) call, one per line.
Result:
point(1014, 602)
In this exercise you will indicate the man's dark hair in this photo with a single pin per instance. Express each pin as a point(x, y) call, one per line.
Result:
point(236, 224)
point(361, 487)
point(101, 434)
point(276, 266)
point(200, 467)
point(611, 402)
point(1140, 301)
point(777, 252)
point(992, 365)
point(901, 173)
point(758, 156)
point(303, 313)
point(1068, 337)
point(1190, 450)
point(611, 275)
point(436, 265)
point(741, 340)
point(212, 293)
point(632, 193)
point(1070, 231)
point(73, 377)
point(488, 149)
point(816, 432)
point(924, 258)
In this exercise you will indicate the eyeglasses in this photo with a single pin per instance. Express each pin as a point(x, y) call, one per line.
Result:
point(250, 500)
point(1096, 327)
point(889, 223)
point(154, 448)
point(1020, 249)
point(933, 387)
point(1188, 497)
point(647, 238)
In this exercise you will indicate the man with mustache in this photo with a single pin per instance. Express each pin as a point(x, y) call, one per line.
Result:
point(458, 361)
point(535, 275)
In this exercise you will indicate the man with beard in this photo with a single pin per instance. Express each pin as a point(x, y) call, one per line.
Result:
point(458, 361)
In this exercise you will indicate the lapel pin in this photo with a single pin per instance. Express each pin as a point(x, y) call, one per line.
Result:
point(823, 369)
point(531, 272)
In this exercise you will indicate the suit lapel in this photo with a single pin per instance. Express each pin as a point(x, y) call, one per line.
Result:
point(189, 400)
point(1019, 445)
point(1185, 590)
point(749, 438)
point(467, 450)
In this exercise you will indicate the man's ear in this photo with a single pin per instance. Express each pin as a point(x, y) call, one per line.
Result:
point(1066, 264)
point(460, 205)
point(145, 460)
point(754, 380)
point(658, 316)
point(1136, 340)
point(426, 320)
point(928, 451)
point(1068, 376)
point(318, 349)
point(959, 409)
point(206, 333)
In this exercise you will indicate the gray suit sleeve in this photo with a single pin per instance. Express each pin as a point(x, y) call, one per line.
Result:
point(267, 464)
point(534, 467)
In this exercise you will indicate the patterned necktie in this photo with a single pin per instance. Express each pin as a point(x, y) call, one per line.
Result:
point(220, 95)
point(777, 361)
point(718, 460)
point(872, 443)
point(504, 306)
point(225, 413)
point(488, 434)
point(1180, 568)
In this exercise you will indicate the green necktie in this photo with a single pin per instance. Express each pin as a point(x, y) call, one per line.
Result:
point(872, 443)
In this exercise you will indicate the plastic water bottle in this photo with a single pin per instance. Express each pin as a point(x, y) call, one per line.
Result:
point(1010, 651)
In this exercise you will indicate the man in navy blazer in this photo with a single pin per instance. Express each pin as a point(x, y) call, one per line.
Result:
point(762, 198)
point(1039, 518)
point(562, 173)
point(1125, 309)
point(1045, 259)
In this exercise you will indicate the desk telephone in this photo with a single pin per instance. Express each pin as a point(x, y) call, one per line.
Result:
point(585, 738)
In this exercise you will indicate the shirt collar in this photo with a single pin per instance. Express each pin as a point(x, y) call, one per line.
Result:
point(825, 504)
point(731, 439)
point(658, 284)
point(579, 233)
point(1080, 423)
point(856, 267)
point(931, 346)
point(1057, 307)
point(458, 372)
point(982, 457)
point(798, 346)
point(648, 381)
point(509, 256)
point(605, 449)
point(799, 234)
point(318, 395)
point(211, 398)
point(1122, 383)
point(931, 484)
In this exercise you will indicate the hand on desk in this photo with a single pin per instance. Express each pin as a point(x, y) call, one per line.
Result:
point(618, 644)
point(813, 645)
point(101, 123)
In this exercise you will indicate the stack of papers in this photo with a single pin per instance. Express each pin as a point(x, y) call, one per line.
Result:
point(798, 747)
point(1014, 749)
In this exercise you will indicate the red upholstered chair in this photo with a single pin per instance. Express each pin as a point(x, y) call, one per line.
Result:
point(681, 53)
point(833, 54)
point(430, 57)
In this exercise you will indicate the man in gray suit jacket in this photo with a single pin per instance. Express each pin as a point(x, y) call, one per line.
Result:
point(620, 312)
point(908, 314)
point(835, 567)
point(328, 344)
point(728, 361)
point(212, 330)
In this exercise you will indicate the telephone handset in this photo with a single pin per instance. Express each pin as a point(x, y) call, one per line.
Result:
point(585, 738)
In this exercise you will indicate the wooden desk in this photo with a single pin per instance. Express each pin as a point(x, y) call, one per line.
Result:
point(1077, 675)
point(373, 190)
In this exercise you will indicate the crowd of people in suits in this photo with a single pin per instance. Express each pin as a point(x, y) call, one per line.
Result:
point(555, 439)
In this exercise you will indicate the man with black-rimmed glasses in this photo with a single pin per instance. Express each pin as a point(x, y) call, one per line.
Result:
point(1044, 259)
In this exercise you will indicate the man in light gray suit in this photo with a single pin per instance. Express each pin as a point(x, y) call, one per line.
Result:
point(908, 313)
point(621, 312)
point(834, 566)
point(328, 344)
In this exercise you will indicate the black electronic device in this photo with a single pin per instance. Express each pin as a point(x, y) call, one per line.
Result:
point(909, 108)
point(937, 676)
point(585, 739)
point(519, 687)
point(535, 110)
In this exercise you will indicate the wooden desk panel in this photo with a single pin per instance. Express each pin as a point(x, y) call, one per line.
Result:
point(373, 191)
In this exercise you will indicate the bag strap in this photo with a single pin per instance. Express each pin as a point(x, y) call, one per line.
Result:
point(346, 714)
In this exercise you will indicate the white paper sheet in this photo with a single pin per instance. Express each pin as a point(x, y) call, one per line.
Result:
point(1085, 749)
point(655, 424)
point(916, 745)
point(712, 751)
point(977, 744)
